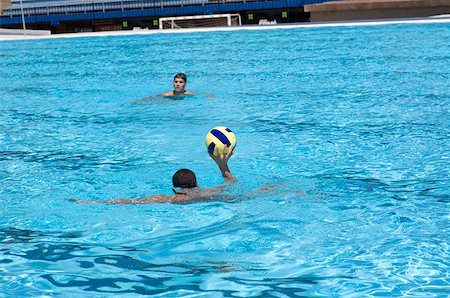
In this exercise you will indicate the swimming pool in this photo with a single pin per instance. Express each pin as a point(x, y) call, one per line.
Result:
point(354, 117)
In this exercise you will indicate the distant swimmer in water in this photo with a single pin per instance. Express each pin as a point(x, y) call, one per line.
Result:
point(179, 89)
point(185, 187)
point(179, 85)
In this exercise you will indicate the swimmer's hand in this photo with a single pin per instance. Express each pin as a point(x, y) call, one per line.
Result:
point(222, 161)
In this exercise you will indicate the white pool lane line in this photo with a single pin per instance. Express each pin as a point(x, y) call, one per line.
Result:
point(428, 20)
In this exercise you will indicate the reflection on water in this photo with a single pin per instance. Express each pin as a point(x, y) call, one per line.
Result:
point(145, 285)
point(66, 160)
point(11, 235)
point(128, 274)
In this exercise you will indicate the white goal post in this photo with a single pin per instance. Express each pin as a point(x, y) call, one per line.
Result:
point(200, 21)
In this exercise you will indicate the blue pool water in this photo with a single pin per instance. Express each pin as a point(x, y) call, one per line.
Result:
point(351, 125)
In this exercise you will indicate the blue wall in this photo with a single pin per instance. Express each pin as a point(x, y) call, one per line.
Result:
point(55, 19)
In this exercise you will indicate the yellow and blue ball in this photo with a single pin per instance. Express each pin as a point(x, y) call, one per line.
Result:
point(220, 140)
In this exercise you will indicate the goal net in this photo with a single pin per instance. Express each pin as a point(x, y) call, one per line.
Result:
point(200, 21)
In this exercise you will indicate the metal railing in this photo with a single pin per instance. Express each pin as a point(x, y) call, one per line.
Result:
point(66, 7)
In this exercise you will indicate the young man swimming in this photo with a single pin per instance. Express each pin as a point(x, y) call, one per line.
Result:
point(179, 86)
point(185, 187)
point(179, 89)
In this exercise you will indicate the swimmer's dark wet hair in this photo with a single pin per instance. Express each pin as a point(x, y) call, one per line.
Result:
point(181, 76)
point(184, 178)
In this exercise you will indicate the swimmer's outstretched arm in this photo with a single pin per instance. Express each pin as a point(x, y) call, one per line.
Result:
point(222, 163)
point(140, 200)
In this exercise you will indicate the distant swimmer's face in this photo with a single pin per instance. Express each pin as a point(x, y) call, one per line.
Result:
point(179, 84)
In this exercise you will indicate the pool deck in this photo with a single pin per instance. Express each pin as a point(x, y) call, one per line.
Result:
point(375, 9)
point(428, 20)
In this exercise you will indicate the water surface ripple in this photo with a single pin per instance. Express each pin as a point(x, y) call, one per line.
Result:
point(348, 125)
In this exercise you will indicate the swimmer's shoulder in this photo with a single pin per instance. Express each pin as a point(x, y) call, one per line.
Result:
point(171, 93)
point(194, 195)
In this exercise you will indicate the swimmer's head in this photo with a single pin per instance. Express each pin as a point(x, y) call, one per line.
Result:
point(184, 178)
point(179, 83)
point(180, 76)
